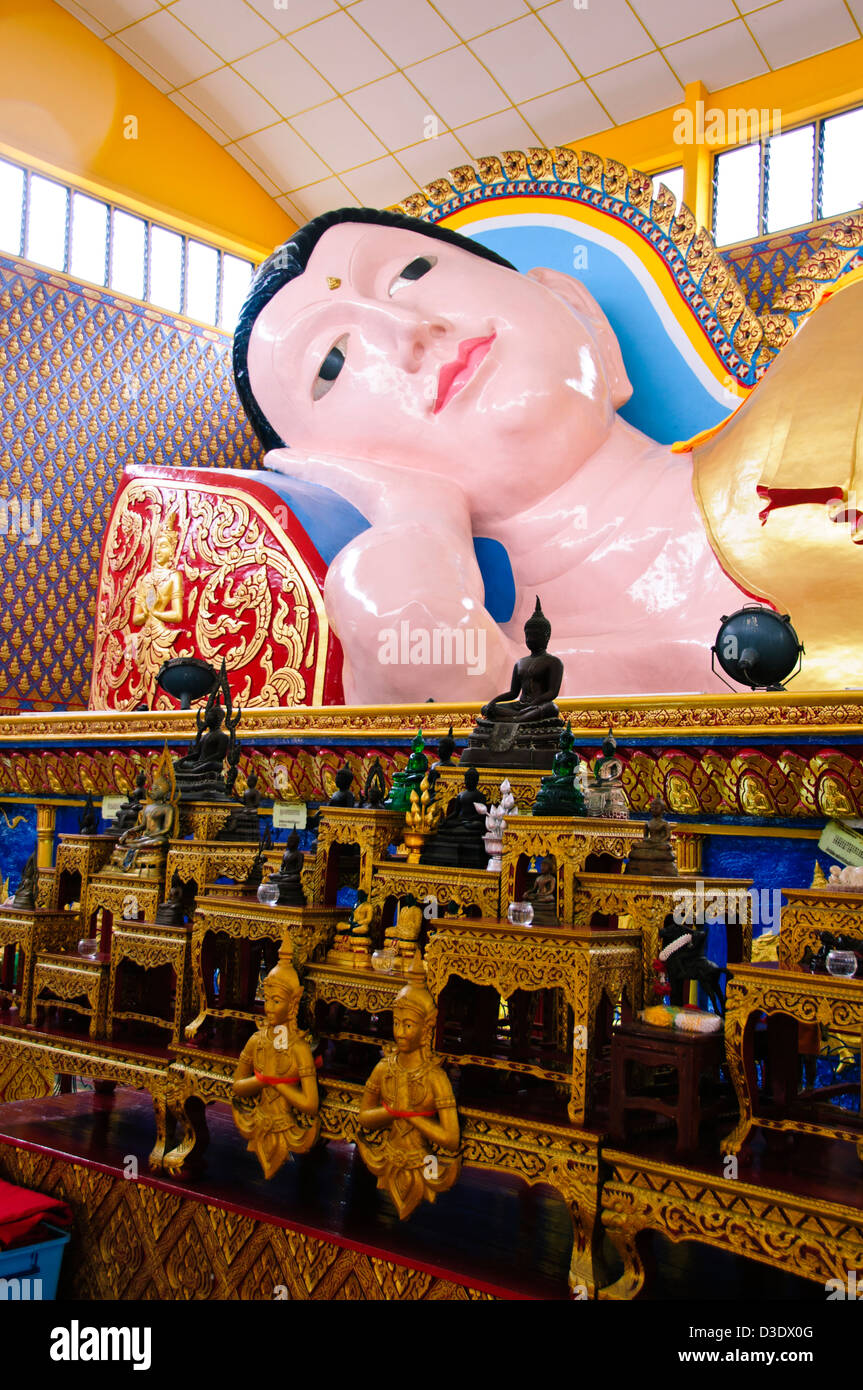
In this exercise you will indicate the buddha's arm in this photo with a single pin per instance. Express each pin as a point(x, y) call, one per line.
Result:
point(444, 1130)
point(139, 611)
point(372, 1114)
point(512, 693)
point(305, 1096)
point(245, 1081)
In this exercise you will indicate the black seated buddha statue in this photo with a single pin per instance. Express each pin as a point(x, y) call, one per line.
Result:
point(243, 824)
point(200, 775)
point(127, 816)
point(653, 857)
point(375, 789)
point(171, 912)
point(343, 796)
point(89, 822)
point(458, 841)
point(288, 878)
point(26, 892)
point(521, 727)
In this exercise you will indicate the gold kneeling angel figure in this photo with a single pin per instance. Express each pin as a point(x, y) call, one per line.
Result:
point(409, 1095)
point(275, 1098)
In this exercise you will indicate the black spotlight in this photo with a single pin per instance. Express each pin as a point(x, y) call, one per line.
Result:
point(758, 648)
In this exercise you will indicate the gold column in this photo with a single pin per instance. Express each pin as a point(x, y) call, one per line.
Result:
point(46, 819)
point(689, 849)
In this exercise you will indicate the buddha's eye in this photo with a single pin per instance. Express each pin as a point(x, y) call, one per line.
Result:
point(414, 270)
point(330, 368)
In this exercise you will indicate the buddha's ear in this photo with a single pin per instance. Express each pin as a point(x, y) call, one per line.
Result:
point(579, 298)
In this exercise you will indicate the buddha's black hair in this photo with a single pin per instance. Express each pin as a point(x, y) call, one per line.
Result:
point(290, 260)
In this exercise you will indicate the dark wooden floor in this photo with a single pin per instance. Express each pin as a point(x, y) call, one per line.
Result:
point(490, 1228)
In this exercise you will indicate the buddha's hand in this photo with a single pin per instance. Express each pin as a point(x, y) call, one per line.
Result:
point(407, 604)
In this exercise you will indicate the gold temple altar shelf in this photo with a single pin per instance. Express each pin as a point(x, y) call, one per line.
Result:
point(817, 1239)
point(64, 980)
point(798, 997)
point(244, 919)
point(807, 912)
point(476, 888)
point(644, 902)
point(82, 855)
point(571, 841)
point(524, 783)
point(584, 965)
point(372, 830)
point(202, 820)
point(24, 932)
point(202, 862)
point(151, 945)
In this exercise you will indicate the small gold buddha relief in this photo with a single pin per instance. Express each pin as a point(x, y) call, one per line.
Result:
point(158, 604)
point(408, 1095)
point(275, 1092)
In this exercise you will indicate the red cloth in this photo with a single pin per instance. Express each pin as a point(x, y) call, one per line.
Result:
point(21, 1209)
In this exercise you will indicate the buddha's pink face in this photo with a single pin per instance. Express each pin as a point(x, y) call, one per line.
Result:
point(431, 358)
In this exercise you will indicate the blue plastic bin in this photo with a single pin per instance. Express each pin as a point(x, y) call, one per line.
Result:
point(32, 1271)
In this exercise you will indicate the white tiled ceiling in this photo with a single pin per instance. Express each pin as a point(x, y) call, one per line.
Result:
point(333, 102)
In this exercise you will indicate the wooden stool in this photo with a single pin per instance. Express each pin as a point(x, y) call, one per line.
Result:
point(690, 1053)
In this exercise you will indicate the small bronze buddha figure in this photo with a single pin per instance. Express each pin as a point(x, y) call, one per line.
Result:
point(653, 857)
point(543, 894)
point(460, 838)
point(409, 1096)
point(410, 778)
point(343, 796)
point(275, 1090)
point(288, 880)
point(128, 812)
point(89, 822)
point(520, 727)
point(243, 824)
point(560, 794)
point(171, 913)
point(375, 789)
point(142, 849)
point(26, 892)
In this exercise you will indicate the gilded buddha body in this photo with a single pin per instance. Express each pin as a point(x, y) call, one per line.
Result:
point(408, 1095)
point(275, 1089)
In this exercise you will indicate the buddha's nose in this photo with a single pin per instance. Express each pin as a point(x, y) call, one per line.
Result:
point(421, 336)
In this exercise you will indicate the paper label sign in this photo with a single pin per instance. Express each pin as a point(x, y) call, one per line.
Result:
point(841, 843)
point(289, 815)
point(111, 806)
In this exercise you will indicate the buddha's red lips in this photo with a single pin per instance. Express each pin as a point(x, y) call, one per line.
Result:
point(456, 374)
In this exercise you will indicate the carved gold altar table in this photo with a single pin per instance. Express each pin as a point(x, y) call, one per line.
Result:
point(646, 902)
point(31, 930)
point(367, 991)
point(523, 781)
point(80, 854)
point(150, 945)
point(809, 911)
point(371, 830)
point(67, 979)
point(796, 996)
point(467, 887)
point(123, 896)
point(203, 861)
point(571, 840)
point(583, 965)
point(204, 819)
point(245, 919)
